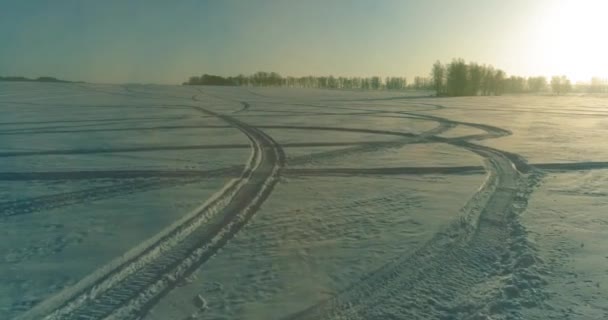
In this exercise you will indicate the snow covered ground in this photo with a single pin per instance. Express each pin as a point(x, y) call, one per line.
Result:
point(173, 202)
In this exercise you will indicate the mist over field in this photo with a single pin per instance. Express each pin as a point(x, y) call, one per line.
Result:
point(303, 160)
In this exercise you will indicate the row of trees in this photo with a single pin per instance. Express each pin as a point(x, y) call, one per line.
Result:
point(560, 85)
point(267, 79)
point(597, 85)
point(24, 79)
point(459, 78)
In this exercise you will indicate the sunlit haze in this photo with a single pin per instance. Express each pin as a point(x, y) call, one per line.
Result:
point(165, 41)
point(303, 159)
point(567, 38)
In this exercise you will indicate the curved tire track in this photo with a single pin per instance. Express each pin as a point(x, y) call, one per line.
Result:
point(368, 147)
point(127, 287)
point(470, 256)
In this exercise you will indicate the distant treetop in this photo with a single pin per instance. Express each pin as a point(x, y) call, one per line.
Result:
point(460, 78)
point(268, 79)
point(39, 79)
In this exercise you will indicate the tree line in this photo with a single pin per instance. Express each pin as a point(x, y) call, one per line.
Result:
point(459, 78)
point(39, 79)
point(597, 85)
point(273, 79)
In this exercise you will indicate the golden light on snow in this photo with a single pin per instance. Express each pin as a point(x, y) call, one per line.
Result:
point(569, 37)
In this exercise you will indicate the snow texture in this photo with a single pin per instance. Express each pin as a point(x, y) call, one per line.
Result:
point(176, 202)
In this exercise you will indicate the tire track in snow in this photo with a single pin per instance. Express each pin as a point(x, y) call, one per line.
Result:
point(152, 180)
point(76, 128)
point(234, 171)
point(64, 199)
point(128, 286)
point(139, 119)
point(172, 148)
point(119, 174)
point(368, 147)
point(31, 205)
point(136, 305)
point(245, 107)
point(464, 271)
point(119, 150)
point(458, 170)
point(324, 172)
point(473, 245)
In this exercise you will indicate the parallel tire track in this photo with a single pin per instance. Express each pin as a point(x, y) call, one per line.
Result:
point(130, 285)
point(469, 260)
point(151, 180)
point(473, 255)
point(64, 199)
point(368, 147)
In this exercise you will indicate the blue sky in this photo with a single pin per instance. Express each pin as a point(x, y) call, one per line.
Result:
point(167, 41)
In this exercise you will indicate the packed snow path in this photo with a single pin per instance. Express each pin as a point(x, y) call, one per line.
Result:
point(127, 287)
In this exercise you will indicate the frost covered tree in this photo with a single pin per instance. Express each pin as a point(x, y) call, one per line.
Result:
point(395, 83)
point(461, 79)
point(487, 80)
point(537, 84)
point(560, 85)
point(474, 79)
point(376, 83)
point(499, 82)
point(438, 77)
point(422, 83)
point(457, 73)
point(598, 85)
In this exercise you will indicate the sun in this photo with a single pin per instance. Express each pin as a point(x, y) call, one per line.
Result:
point(570, 38)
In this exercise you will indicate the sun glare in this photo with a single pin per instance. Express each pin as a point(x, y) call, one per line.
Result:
point(570, 39)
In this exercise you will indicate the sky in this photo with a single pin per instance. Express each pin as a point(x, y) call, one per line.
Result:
point(120, 41)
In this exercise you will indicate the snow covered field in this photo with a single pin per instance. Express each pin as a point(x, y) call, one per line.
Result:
point(171, 202)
